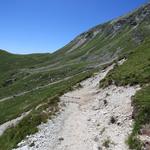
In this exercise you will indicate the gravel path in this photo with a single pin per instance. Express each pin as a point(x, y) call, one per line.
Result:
point(89, 119)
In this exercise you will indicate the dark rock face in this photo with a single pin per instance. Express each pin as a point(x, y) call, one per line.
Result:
point(134, 19)
point(137, 37)
point(138, 16)
point(8, 82)
point(119, 24)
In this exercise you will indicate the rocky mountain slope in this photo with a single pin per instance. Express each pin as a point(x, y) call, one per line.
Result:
point(33, 83)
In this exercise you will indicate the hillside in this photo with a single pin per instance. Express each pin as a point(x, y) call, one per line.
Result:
point(35, 82)
point(99, 45)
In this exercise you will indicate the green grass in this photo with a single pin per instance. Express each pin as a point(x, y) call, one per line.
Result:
point(136, 70)
point(28, 125)
point(48, 97)
point(13, 107)
point(10, 61)
point(33, 80)
point(141, 102)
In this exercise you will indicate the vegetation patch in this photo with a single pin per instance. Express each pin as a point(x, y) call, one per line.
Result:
point(141, 102)
point(43, 107)
point(136, 70)
point(107, 143)
point(27, 126)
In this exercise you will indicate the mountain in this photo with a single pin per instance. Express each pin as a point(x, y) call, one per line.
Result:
point(29, 80)
point(101, 44)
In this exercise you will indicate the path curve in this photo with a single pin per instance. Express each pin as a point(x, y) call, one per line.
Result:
point(89, 119)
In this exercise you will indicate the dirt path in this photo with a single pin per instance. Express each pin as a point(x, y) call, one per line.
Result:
point(11, 123)
point(90, 119)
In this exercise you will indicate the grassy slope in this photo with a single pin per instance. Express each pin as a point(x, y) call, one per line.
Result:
point(136, 70)
point(141, 102)
point(11, 65)
point(49, 99)
point(34, 80)
point(30, 72)
point(10, 61)
point(18, 105)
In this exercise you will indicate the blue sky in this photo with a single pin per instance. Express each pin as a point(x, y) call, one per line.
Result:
point(38, 26)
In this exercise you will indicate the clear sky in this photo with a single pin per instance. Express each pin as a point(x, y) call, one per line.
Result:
point(29, 26)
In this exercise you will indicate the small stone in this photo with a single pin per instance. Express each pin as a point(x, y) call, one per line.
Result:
point(145, 132)
point(147, 145)
point(41, 136)
point(105, 102)
point(61, 139)
point(96, 107)
point(112, 120)
point(118, 123)
point(32, 144)
point(96, 139)
point(89, 119)
point(99, 148)
point(107, 94)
